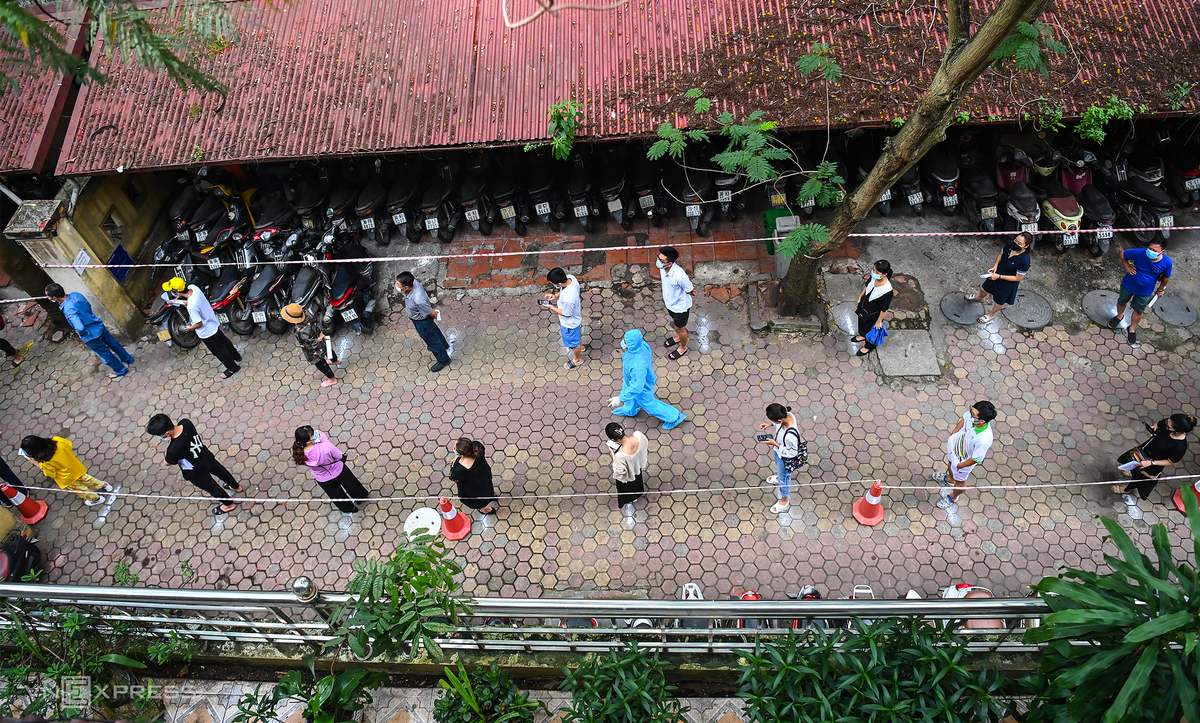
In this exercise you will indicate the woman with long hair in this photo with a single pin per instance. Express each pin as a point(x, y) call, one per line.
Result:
point(474, 476)
point(60, 464)
point(314, 450)
point(873, 303)
point(1165, 448)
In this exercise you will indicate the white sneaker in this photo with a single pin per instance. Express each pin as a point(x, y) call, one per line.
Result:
point(946, 503)
point(93, 503)
point(450, 351)
point(108, 487)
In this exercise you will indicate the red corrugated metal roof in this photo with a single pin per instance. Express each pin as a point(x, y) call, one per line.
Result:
point(335, 77)
point(29, 116)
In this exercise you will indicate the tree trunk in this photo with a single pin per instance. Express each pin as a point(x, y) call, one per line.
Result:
point(962, 64)
point(800, 301)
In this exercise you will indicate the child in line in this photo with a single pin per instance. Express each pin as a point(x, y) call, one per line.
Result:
point(55, 458)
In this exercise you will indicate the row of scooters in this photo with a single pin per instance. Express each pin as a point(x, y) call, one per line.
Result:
point(1057, 184)
point(253, 260)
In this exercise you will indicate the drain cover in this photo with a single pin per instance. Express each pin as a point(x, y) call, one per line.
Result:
point(957, 309)
point(1030, 312)
point(1175, 310)
point(843, 315)
point(1100, 306)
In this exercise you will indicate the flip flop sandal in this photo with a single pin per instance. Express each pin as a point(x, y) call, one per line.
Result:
point(670, 343)
point(571, 364)
point(226, 375)
point(985, 318)
point(218, 511)
point(1117, 489)
point(676, 354)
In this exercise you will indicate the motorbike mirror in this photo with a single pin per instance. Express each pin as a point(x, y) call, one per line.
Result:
point(202, 172)
point(232, 215)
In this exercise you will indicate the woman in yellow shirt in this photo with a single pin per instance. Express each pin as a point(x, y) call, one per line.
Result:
point(55, 458)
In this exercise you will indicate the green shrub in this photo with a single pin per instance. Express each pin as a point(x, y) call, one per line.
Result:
point(621, 687)
point(486, 696)
point(902, 669)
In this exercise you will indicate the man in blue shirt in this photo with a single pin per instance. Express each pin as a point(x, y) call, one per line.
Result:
point(1148, 267)
point(90, 329)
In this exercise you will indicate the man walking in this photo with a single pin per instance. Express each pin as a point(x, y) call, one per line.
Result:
point(677, 291)
point(90, 329)
point(1146, 268)
point(967, 446)
point(569, 308)
point(424, 316)
point(206, 325)
point(195, 461)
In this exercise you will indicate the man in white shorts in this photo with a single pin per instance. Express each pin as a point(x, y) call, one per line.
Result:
point(967, 446)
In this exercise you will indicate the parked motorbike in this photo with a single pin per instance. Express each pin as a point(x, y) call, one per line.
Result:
point(749, 623)
point(1022, 211)
point(1061, 214)
point(1184, 178)
point(404, 203)
point(352, 284)
point(731, 200)
point(980, 200)
point(698, 199)
point(940, 176)
point(20, 559)
point(581, 196)
point(268, 292)
point(544, 190)
point(183, 210)
point(370, 207)
point(1076, 177)
point(618, 196)
point(513, 202)
point(810, 592)
point(475, 197)
point(648, 190)
point(864, 154)
point(310, 285)
point(440, 212)
point(1139, 204)
point(237, 259)
point(172, 320)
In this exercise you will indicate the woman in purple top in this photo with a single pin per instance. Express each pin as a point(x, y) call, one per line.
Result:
point(314, 450)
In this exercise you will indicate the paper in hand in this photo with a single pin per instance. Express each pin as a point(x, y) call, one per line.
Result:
point(1153, 301)
point(329, 348)
point(1129, 466)
point(985, 276)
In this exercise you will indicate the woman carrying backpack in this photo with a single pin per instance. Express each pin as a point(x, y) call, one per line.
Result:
point(790, 452)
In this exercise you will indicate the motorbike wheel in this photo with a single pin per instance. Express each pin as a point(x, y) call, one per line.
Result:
point(950, 210)
point(1059, 247)
point(589, 226)
point(918, 209)
point(554, 223)
point(702, 228)
point(627, 223)
point(445, 235)
point(657, 220)
point(1141, 220)
point(485, 226)
point(884, 207)
point(989, 224)
point(328, 327)
point(385, 235)
point(520, 228)
point(275, 321)
point(733, 212)
point(240, 320)
point(183, 337)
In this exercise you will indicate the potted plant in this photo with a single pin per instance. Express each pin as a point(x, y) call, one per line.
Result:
point(336, 697)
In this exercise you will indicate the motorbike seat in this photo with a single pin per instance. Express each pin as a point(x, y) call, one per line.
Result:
point(274, 213)
point(262, 281)
point(977, 183)
point(541, 183)
point(506, 188)
point(1061, 199)
point(727, 181)
point(1145, 164)
point(578, 184)
point(222, 286)
point(209, 212)
point(311, 197)
point(699, 184)
point(401, 194)
point(940, 166)
point(343, 279)
point(435, 195)
point(341, 199)
point(1095, 205)
point(613, 182)
point(1022, 197)
point(303, 284)
point(472, 188)
point(371, 197)
point(1149, 193)
point(645, 178)
point(186, 203)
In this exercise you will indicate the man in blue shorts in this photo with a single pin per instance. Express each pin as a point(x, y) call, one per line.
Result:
point(570, 313)
point(1148, 267)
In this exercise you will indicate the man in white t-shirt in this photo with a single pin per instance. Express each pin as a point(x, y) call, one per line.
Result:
point(205, 324)
point(677, 291)
point(968, 445)
point(569, 308)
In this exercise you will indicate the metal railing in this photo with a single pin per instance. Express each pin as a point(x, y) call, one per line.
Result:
point(529, 625)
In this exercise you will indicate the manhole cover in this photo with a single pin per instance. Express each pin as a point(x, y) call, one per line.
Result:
point(1030, 312)
point(1175, 310)
point(1100, 306)
point(845, 318)
point(957, 309)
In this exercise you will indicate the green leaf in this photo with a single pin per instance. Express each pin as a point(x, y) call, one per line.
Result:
point(120, 660)
point(702, 106)
point(1161, 626)
point(693, 93)
point(1099, 664)
point(1027, 30)
point(1135, 685)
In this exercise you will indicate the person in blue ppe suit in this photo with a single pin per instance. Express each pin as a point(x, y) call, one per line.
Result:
point(637, 388)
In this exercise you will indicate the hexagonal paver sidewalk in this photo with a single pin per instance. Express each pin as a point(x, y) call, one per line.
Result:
point(1069, 405)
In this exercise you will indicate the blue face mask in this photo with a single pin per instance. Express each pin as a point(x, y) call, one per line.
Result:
point(876, 276)
point(1153, 256)
point(658, 263)
point(624, 345)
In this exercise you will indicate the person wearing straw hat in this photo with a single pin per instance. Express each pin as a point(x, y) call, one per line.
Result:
point(205, 324)
point(312, 342)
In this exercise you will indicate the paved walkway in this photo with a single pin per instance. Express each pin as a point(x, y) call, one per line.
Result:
point(1069, 404)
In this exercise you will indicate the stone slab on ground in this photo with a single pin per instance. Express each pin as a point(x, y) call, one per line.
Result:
point(908, 353)
point(841, 288)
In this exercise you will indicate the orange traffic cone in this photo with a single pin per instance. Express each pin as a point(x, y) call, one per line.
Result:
point(868, 511)
point(454, 525)
point(31, 511)
point(1179, 493)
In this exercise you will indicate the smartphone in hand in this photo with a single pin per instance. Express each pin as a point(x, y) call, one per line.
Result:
point(765, 437)
point(543, 302)
point(612, 445)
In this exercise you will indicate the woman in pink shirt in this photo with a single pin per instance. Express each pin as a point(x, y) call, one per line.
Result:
point(314, 450)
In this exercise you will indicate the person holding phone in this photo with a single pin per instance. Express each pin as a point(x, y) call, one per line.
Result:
point(1005, 276)
point(473, 475)
point(569, 307)
point(314, 450)
point(630, 452)
point(785, 439)
point(1148, 273)
point(424, 319)
point(1165, 448)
